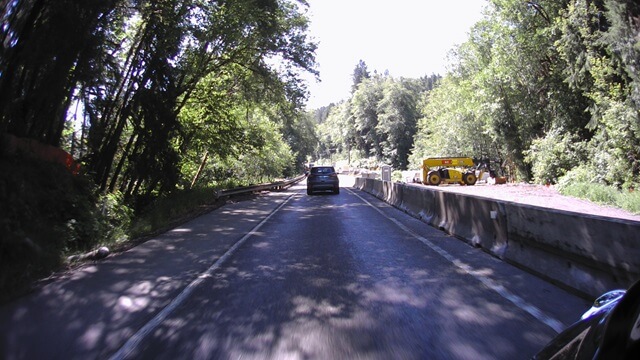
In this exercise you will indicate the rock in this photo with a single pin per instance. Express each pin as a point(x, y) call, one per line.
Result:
point(100, 253)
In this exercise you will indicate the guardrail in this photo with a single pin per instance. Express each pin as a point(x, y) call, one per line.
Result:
point(262, 187)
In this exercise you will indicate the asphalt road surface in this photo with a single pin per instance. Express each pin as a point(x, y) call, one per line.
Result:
point(292, 276)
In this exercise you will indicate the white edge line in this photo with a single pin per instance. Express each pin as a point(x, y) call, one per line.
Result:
point(554, 324)
point(134, 341)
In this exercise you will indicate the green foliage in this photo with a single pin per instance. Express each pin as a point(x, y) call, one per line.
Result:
point(156, 85)
point(117, 217)
point(255, 152)
point(587, 182)
point(302, 137)
point(603, 194)
point(555, 154)
point(134, 66)
point(584, 173)
point(599, 52)
point(364, 109)
point(450, 125)
point(47, 48)
point(597, 193)
point(171, 208)
point(630, 202)
point(396, 176)
point(398, 114)
point(360, 73)
point(542, 88)
point(268, 162)
point(336, 133)
point(369, 163)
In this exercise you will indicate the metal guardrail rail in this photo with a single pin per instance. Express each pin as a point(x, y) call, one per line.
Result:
point(262, 187)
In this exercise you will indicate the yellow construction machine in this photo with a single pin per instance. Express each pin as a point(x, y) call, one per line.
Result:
point(455, 170)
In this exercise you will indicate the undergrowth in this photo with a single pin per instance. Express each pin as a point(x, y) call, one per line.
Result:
point(604, 195)
point(48, 214)
point(166, 210)
point(581, 182)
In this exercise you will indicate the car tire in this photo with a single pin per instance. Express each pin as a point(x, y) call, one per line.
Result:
point(336, 191)
point(309, 191)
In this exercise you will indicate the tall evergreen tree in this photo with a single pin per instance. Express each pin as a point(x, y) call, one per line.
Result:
point(360, 73)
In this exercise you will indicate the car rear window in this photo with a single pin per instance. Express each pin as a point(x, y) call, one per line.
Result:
point(323, 170)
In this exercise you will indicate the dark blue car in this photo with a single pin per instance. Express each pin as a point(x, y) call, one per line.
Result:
point(323, 178)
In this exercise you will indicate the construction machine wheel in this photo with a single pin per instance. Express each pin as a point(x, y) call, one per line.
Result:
point(469, 178)
point(433, 178)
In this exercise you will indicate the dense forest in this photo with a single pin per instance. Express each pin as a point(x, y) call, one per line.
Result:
point(377, 124)
point(549, 91)
point(140, 91)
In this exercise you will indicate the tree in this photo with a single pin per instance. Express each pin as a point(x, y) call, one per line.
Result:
point(454, 123)
point(397, 119)
point(166, 50)
point(599, 47)
point(336, 133)
point(364, 109)
point(360, 73)
point(47, 47)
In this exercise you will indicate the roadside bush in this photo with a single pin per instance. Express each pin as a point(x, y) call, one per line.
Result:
point(553, 156)
point(586, 183)
point(116, 217)
point(165, 211)
point(579, 174)
point(631, 202)
point(597, 193)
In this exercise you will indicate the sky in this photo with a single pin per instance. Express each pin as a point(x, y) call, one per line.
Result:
point(408, 38)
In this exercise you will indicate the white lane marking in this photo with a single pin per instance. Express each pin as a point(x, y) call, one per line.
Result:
point(135, 340)
point(556, 325)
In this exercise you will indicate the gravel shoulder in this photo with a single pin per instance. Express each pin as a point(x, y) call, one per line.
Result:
point(528, 194)
point(538, 195)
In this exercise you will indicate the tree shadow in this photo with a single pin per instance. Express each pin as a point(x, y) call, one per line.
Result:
point(331, 296)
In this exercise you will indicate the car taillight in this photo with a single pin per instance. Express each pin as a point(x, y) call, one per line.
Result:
point(333, 175)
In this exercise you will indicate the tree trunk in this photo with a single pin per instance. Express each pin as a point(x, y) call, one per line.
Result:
point(202, 164)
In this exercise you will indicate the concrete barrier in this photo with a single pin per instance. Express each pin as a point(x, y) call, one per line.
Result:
point(393, 193)
point(377, 188)
point(479, 221)
point(590, 254)
point(361, 184)
point(421, 204)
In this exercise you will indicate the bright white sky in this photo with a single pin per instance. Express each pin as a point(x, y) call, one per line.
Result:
point(409, 38)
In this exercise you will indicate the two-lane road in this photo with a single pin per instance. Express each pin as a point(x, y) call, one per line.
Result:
point(291, 276)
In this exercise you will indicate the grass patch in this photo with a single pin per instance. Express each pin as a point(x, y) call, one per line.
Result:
point(631, 202)
point(604, 195)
